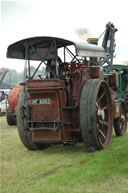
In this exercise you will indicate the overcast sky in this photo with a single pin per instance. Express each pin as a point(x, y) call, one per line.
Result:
point(62, 18)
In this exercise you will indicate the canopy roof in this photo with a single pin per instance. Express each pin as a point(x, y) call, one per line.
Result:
point(42, 44)
point(118, 67)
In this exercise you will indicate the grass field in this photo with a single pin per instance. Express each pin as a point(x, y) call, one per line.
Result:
point(60, 169)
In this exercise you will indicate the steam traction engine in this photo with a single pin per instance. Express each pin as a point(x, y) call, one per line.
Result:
point(74, 101)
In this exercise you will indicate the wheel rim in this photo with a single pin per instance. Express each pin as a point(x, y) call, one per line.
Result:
point(104, 115)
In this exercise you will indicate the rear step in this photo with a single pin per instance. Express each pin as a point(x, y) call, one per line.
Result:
point(43, 128)
point(44, 125)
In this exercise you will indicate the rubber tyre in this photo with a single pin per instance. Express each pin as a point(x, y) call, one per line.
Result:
point(25, 134)
point(120, 125)
point(88, 114)
point(10, 119)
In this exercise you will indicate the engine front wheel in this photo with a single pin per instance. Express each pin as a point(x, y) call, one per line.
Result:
point(120, 124)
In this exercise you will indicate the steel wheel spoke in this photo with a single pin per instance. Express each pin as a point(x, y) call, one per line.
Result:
point(100, 141)
point(100, 98)
point(105, 107)
point(102, 133)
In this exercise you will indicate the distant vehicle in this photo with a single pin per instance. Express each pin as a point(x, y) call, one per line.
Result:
point(4, 94)
point(6, 91)
point(3, 107)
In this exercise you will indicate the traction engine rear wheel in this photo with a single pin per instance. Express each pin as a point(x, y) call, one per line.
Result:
point(96, 118)
point(120, 124)
point(24, 133)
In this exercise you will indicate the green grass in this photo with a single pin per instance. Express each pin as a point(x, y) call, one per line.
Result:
point(60, 169)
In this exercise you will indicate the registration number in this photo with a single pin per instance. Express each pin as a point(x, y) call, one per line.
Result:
point(41, 101)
